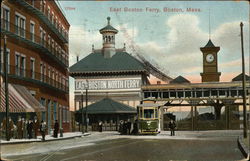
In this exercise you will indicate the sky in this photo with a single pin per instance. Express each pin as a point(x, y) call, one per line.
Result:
point(170, 40)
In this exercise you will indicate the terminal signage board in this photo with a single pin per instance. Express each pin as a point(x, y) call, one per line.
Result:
point(107, 84)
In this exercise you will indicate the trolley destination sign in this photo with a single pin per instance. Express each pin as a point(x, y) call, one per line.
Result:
point(107, 84)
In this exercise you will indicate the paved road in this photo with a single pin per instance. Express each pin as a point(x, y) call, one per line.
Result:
point(146, 148)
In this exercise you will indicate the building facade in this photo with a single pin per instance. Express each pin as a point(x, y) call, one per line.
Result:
point(37, 47)
point(108, 72)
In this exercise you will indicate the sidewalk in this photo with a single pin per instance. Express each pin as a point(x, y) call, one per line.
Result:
point(67, 135)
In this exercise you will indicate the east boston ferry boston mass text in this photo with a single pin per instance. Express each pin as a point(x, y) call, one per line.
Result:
point(154, 10)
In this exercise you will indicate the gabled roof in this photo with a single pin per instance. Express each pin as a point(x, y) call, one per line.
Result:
point(180, 79)
point(95, 62)
point(108, 106)
point(240, 77)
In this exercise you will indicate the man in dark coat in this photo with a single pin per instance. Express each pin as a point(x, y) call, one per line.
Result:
point(172, 127)
point(100, 126)
point(43, 130)
point(128, 127)
point(36, 126)
point(19, 128)
point(56, 128)
point(30, 128)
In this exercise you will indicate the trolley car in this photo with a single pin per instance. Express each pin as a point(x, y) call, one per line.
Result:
point(148, 117)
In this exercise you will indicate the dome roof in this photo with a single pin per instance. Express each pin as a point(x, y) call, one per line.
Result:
point(108, 28)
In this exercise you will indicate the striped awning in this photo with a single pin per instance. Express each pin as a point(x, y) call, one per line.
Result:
point(19, 102)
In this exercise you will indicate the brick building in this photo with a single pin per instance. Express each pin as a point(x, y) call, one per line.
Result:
point(37, 46)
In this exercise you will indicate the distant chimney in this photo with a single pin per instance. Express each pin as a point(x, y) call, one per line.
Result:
point(77, 58)
point(93, 48)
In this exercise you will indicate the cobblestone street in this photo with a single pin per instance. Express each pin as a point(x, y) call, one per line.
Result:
point(207, 145)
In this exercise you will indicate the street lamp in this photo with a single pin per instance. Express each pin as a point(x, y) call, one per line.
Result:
point(86, 112)
point(82, 110)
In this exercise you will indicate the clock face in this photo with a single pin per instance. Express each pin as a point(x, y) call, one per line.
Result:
point(210, 58)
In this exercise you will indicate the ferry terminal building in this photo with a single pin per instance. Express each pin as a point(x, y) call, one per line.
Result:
point(111, 76)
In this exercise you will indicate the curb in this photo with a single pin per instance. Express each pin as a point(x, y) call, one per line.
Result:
point(242, 147)
point(59, 138)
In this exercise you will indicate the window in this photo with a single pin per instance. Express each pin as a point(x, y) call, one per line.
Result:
point(44, 73)
point(33, 3)
point(52, 18)
point(56, 79)
point(149, 113)
point(17, 64)
point(6, 18)
point(2, 60)
point(20, 25)
point(32, 31)
point(32, 68)
point(49, 46)
point(41, 71)
point(48, 14)
point(53, 79)
point(49, 75)
point(22, 66)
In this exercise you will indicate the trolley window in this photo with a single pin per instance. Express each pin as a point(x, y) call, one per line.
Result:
point(149, 113)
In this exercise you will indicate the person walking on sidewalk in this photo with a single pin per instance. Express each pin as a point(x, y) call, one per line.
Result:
point(30, 128)
point(43, 130)
point(56, 128)
point(36, 126)
point(172, 127)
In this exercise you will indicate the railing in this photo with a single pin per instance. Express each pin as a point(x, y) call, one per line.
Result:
point(34, 39)
point(35, 76)
point(36, 9)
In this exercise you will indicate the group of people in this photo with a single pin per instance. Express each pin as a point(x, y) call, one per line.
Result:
point(26, 128)
point(126, 127)
point(23, 129)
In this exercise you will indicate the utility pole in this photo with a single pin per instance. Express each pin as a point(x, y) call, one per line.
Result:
point(6, 87)
point(243, 84)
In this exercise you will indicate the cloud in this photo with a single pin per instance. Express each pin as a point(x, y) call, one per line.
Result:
point(227, 36)
point(81, 42)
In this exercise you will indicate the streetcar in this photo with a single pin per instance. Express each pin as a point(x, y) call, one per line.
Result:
point(148, 117)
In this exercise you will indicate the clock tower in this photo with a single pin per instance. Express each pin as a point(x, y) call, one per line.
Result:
point(210, 63)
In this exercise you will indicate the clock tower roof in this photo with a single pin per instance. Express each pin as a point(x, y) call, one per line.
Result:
point(209, 44)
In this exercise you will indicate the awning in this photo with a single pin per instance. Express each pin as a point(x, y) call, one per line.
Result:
point(20, 100)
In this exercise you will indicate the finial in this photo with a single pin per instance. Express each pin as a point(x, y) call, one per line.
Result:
point(93, 48)
point(108, 18)
point(124, 47)
point(241, 24)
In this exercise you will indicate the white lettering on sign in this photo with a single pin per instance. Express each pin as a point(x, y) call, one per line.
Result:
point(107, 84)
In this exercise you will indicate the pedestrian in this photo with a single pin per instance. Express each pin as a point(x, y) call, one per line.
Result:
point(56, 128)
point(36, 126)
point(128, 127)
point(135, 128)
point(120, 126)
point(11, 128)
point(100, 126)
point(125, 127)
point(172, 127)
point(25, 132)
point(43, 130)
point(30, 129)
point(19, 128)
